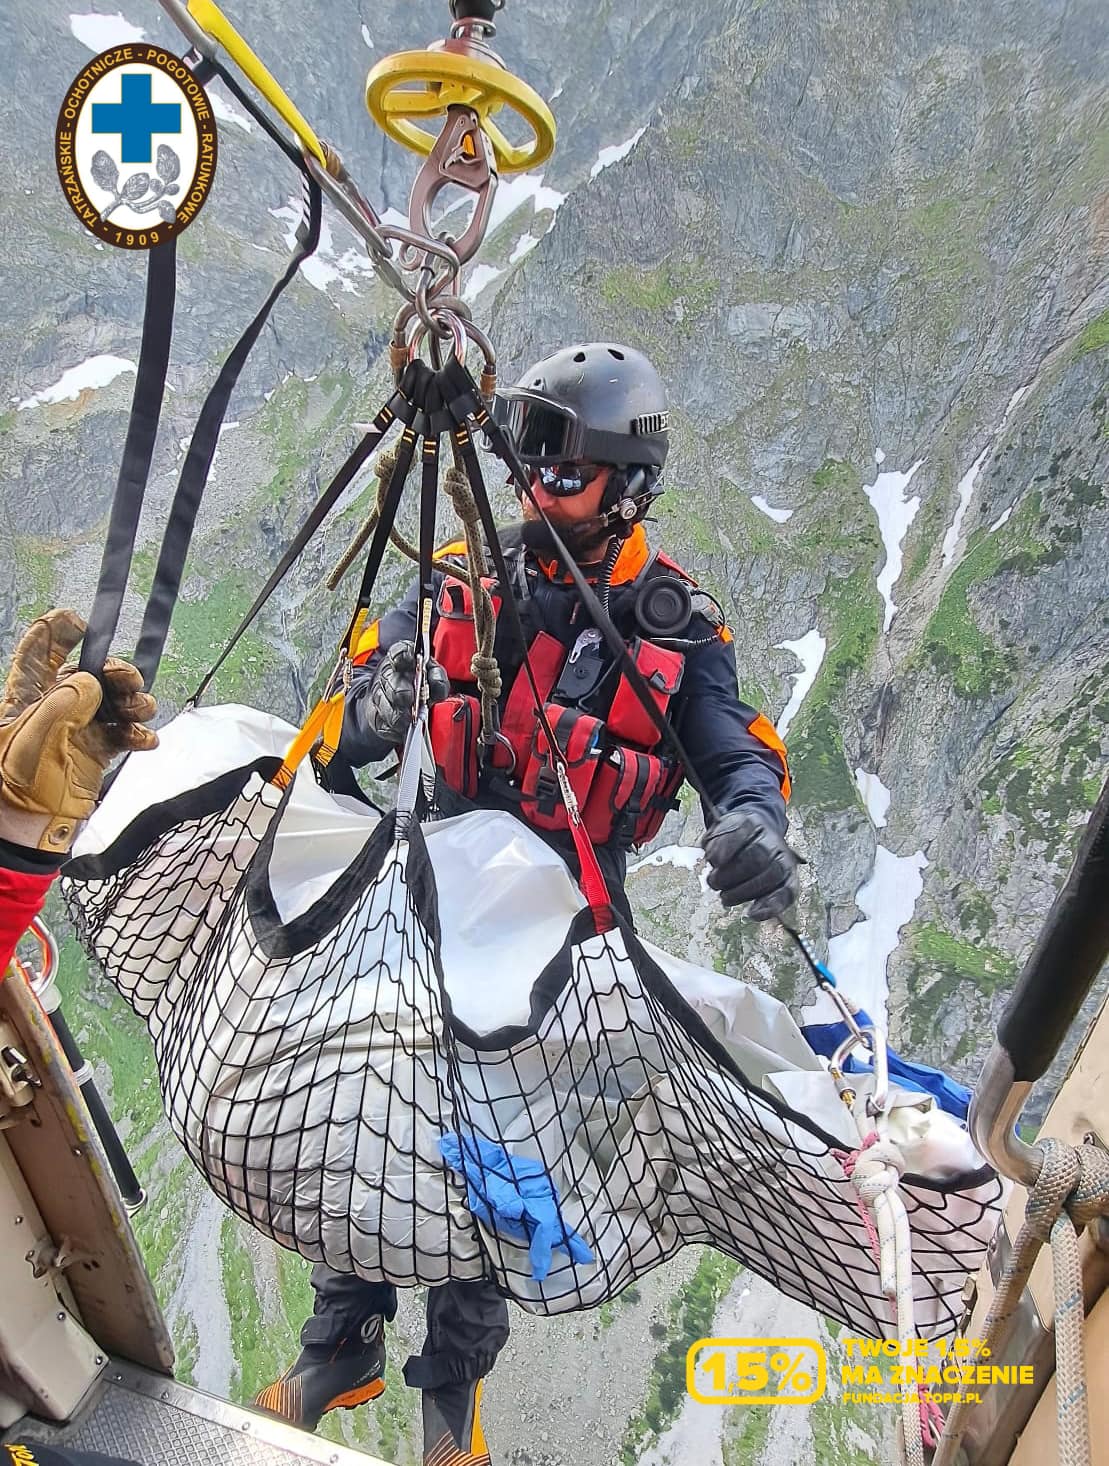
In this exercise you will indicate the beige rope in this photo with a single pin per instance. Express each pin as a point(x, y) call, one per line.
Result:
point(1071, 1192)
point(385, 464)
point(483, 664)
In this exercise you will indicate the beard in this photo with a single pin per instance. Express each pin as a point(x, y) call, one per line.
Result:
point(585, 544)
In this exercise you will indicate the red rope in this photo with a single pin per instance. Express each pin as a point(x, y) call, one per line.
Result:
point(848, 1159)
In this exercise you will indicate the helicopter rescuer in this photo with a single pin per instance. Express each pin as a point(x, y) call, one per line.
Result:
point(591, 425)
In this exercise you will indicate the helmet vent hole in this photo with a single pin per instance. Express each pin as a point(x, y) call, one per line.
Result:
point(579, 355)
point(619, 355)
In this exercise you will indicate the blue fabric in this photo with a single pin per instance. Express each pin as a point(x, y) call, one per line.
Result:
point(950, 1095)
point(513, 1195)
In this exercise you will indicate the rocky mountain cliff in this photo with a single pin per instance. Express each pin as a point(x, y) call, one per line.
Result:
point(867, 246)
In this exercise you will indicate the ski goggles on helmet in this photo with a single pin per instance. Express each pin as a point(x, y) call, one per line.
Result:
point(548, 434)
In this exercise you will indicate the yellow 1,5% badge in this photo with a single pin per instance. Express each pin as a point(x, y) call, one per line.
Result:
point(756, 1371)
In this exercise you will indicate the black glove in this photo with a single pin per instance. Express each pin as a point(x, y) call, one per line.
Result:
point(751, 860)
point(393, 694)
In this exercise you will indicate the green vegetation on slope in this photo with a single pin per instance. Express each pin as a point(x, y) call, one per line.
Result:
point(1095, 335)
point(954, 641)
point(850, 620)
point(692, 1311)
point(1055, 771)
point(942, 965)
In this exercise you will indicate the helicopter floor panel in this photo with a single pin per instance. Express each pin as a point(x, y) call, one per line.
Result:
point(156, 1421)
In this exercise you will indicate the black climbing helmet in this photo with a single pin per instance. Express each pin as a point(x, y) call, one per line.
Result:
point(597, 403)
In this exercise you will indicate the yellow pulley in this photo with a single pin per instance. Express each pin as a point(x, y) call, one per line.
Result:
point(414, 86)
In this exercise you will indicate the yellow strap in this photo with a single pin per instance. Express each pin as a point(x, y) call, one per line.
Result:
point(211, 18)
point(324, 721)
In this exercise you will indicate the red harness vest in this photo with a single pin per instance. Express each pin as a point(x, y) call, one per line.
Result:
point(624, 787)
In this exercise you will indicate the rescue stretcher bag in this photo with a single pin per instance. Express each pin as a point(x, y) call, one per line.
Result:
point(327, 1002)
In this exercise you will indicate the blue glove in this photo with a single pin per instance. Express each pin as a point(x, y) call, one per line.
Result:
point(513, 1195)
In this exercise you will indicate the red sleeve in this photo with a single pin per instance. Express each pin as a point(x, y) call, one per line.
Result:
point(21, 897)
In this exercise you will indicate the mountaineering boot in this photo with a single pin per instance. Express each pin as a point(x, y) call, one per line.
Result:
point(452, 1426)
point(329, 1374)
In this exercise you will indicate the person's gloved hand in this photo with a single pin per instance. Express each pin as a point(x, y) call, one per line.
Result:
point(751, 862)
point(53, 755)
point(393, 694)
point(514, 1195)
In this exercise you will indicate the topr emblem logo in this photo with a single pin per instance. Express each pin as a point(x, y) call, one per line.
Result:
point(136, 146)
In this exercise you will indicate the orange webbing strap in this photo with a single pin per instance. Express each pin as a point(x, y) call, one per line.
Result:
point(324, 725)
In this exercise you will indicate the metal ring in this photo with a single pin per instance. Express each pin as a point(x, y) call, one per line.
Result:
point(432, 319)
point(495, 736)
point(40, 979)
point(454, 329)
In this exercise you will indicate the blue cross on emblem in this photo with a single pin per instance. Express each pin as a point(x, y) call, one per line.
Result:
point(136, 118)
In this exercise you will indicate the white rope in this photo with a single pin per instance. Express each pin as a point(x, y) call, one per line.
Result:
point(875, 1170)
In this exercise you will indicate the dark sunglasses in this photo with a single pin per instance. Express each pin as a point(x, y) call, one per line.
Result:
point(564, 480)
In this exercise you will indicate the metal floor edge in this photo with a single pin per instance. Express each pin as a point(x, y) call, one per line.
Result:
point(157, 1421)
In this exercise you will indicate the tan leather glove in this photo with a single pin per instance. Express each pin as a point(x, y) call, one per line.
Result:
point(53, 755)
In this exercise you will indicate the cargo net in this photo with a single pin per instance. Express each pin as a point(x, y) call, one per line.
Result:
point(312, 1068)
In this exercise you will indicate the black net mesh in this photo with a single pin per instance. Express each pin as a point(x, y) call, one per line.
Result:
point(311, 1068)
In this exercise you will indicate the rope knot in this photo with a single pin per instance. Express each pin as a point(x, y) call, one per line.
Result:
point(458, 487)
point(486, 673)
point(1060, 1172)
point(879, 1168)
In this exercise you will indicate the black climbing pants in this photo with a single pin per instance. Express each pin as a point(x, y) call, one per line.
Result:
point(467, 1324)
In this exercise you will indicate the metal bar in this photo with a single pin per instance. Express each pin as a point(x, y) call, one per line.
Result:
point(129, 1188)
point(1057, 977)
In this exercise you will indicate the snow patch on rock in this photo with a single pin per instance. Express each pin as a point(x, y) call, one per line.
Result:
point(99, 32)
point(966, 489)
point(682, 857)
point(875, 796)
point(88, 375)
point(325, 268)
point(227, 113)
point(967, 482)
point(523, 246)
point(1001, 519)
point(779, 516)
point(809, 651)
point(607, 156)
point(480, 277)
point(895, 513)
point(860, 956)
point(513, 192)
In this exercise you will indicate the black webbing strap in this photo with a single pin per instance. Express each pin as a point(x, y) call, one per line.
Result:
point(464, 400)
point(413, 385)
point(429, 493)
point(396, 407)
point(138, 448)
point(142, 430)
point(138, 451)
point(202, 448)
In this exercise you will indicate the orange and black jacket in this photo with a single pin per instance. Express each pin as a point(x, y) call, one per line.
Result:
point(734, 749)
